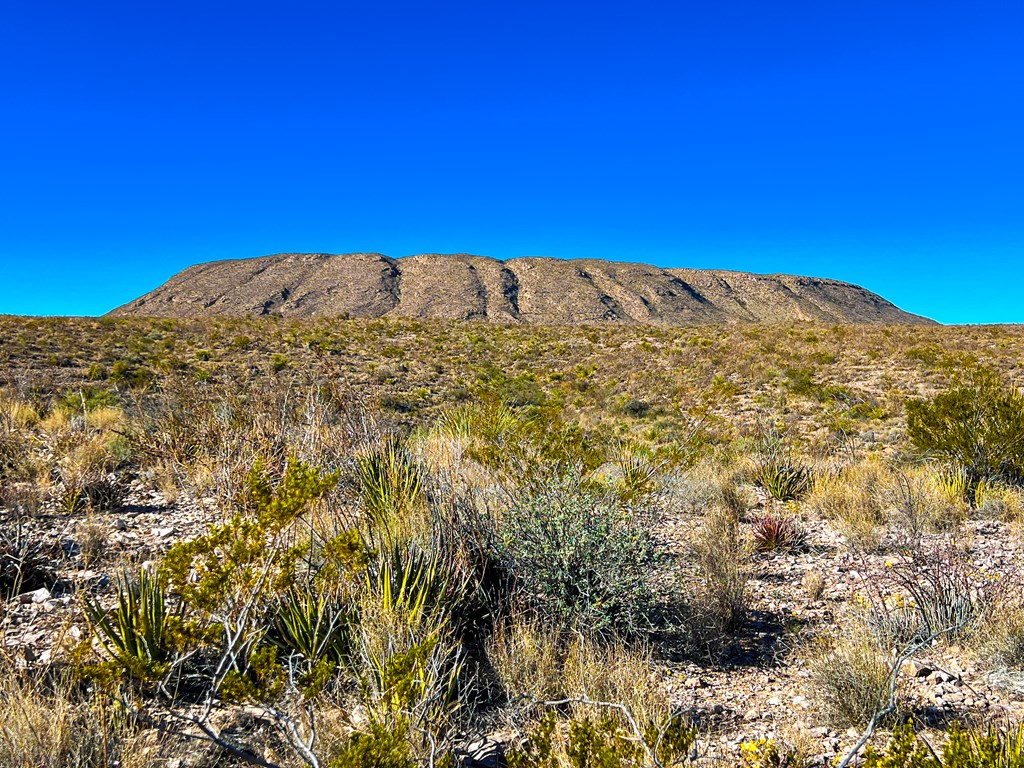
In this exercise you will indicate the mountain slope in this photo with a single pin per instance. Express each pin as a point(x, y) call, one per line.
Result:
point(523, 290)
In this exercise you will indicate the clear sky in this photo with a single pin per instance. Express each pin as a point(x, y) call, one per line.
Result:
point(876, 142)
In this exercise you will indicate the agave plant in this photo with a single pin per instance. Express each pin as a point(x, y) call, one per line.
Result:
point(774, 531)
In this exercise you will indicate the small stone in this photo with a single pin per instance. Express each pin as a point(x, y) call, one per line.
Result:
point(163, 533)
point(695, 682)
point(119, 525)
point(917, 669)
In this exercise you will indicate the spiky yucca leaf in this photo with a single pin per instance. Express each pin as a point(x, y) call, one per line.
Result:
point(783, 480)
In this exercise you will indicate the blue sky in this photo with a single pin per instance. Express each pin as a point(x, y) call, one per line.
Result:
point(876, 142)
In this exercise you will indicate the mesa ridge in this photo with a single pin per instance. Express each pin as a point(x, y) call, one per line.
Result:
point(527, 290)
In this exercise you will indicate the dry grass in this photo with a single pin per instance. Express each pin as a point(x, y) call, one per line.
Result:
point(534, 663)
point(723, 558)
point(853, 496)
point(850, 676)
point(44, 724)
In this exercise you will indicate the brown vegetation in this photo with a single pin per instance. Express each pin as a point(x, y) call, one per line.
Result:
point(422, 540)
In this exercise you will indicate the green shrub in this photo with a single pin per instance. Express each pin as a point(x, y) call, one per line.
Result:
point(86, 399)
point(134, 376)
point(382, 745)
point(224, 566)
point(605, 743)
point(977, 426)
point(994, 747)
point(582, 559)
point(278, 362)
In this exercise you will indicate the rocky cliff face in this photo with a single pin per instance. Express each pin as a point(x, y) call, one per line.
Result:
point(523, 290)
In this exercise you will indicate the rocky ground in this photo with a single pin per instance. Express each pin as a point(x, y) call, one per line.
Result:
point(757, 687)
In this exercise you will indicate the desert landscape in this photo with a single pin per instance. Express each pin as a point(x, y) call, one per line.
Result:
point(314, 510)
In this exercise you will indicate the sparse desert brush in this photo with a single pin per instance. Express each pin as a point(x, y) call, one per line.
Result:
point(581, 557)
point(813, 584)
point(995, 746)
point(932, 593)
point(999, 501)
point(854, 496)
point(606, 739)
point(920, 501)
point(16, 441)
point(723, 561)
point(48, 723)
point(850, 675)
point(708, 484)
point(976, 426)
point(17, 413)
point(87, 471)
point(998, 638)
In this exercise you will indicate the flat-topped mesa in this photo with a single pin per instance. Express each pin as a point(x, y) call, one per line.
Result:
point(524, 290)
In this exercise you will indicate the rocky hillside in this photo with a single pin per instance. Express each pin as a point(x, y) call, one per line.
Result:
point(523, 290)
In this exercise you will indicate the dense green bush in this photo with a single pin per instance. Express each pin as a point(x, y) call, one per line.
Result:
point(992, 748)
point(582, 559)
point(977, 426)
point(605, 742)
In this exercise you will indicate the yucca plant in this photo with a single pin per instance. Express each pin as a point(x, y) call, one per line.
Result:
point(638, 471)
point(782, 479)
point(314, 625)
point(954, 485)
point(135, 632)
point(406, 579)
point(390, 483)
